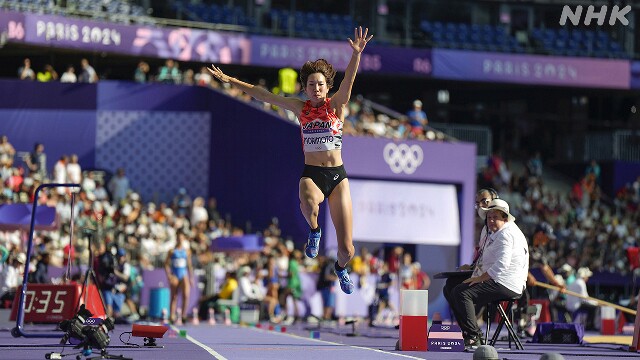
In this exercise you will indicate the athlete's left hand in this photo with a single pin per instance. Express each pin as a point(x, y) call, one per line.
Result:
point(360, 39)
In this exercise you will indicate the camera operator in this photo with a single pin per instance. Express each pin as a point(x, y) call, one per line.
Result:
point(114, 274)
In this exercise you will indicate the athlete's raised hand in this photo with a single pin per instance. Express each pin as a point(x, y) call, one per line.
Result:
point(360, 39)
point(215, 71)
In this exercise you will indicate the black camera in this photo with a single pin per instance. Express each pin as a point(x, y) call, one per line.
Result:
point(73, 327)
point(98, 336)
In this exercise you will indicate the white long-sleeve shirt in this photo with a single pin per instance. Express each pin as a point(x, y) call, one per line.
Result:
point(574, 302)
point(248, 290)
point(506, 257)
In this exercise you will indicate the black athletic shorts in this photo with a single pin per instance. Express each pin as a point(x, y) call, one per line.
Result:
point(326, 178)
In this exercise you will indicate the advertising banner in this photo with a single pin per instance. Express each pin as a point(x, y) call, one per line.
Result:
point(177, 43)
point(530, 69)
point(281, 52)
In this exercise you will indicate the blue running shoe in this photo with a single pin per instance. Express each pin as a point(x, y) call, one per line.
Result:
point(345, 282)
point(313, 244)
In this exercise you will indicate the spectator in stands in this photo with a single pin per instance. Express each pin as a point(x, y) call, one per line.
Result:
point(203, 78)
point(169, 73)
point(180, 273)
point(287, 81)
point(7, 151)
point(88, 73)
point(37, 161)
point(212, 209)
point(25, 72)
point(393, 260)
point(60, 173)
point(100, 192)
point(69, 76)
point(321, 119)
point(11, 277)
point(575, 304)
point(48, 74)
point(417, 119)
point(198, 212)
point(421, 279)
point(500, 272)
point(141, 74)
point(534, 165)
point(74, 171)
point(41, 274)
point(89, 183)
point(406, 272)
point(188, 77)
point(118, 186)
point(182, 203)
point(594, 168)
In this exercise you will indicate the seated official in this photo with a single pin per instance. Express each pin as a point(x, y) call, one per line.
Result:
point(500, 273)
point(483, 199)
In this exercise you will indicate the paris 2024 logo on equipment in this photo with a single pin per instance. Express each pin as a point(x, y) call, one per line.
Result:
point(403, 158)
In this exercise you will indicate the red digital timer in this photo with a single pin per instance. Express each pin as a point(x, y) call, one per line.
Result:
point(47, 303)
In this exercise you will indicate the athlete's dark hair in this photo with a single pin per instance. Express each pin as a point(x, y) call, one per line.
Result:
point(321, 66)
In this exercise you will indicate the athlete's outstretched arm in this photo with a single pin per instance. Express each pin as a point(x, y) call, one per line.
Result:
point(257, 92)
point(341, 97)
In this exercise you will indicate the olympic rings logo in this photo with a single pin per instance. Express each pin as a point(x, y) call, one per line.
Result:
point(93, 321)
point(445, 327)
point(403, 158)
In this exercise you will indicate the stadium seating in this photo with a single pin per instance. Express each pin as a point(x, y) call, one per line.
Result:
point(558, 42)
point(119, 7)
point(577, 42)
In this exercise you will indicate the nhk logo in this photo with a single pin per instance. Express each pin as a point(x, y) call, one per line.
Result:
point(574, 16)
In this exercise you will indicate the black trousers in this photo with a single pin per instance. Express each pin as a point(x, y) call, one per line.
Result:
point(466, 298)
point(447, 290)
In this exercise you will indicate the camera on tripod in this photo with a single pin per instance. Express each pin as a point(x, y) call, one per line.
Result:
point(98, 336)
point(95, 336)
point(74, 326)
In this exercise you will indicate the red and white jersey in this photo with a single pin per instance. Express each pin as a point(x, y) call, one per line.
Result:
point(320, 127)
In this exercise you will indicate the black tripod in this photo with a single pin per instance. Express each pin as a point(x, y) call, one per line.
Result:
point(90, 273)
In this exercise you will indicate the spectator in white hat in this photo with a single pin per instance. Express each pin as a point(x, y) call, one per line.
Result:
point(417, 119)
